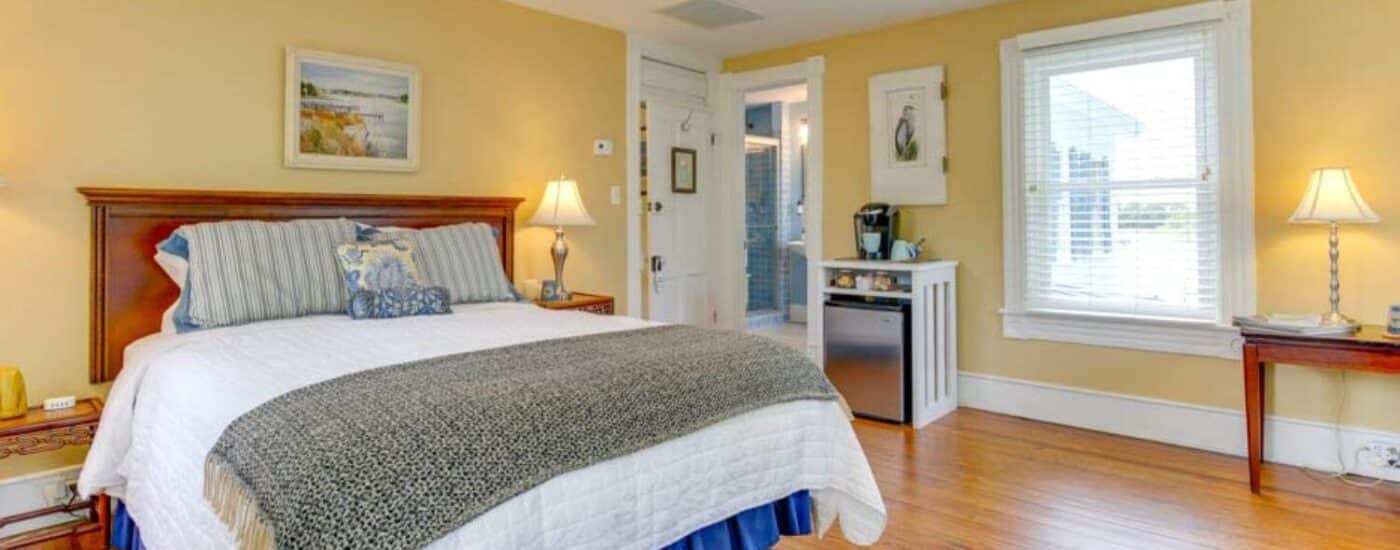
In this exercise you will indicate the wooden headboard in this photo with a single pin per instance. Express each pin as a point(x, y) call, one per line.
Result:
point(130, 292)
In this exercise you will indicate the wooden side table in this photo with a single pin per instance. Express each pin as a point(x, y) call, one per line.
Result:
point(43, 431)
point(592, 303)
point(1367, 350)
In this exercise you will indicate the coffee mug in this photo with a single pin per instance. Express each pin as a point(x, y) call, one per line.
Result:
point(870, 244)
point(902, 250)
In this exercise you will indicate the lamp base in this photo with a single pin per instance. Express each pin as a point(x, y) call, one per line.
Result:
point(559, 252)
point(1337, 320)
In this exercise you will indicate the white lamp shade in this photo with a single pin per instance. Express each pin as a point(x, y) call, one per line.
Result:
point(1332, 198)
point(561, 205)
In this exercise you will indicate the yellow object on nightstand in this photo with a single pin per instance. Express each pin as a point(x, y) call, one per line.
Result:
point(13, 401)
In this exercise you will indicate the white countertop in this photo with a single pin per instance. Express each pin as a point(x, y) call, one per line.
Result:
point(890, 265)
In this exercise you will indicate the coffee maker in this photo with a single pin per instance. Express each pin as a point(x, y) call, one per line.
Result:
point(877, 226)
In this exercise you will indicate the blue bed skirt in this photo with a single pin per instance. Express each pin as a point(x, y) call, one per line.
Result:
point(753, 529)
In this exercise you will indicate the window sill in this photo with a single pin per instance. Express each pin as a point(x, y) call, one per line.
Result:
point(1207, 339)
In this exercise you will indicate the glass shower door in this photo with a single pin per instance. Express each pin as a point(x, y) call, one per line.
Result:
point(762, 223)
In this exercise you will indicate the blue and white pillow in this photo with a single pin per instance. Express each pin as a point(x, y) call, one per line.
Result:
point(382, 280)
point(243, 271)
point(462, 258)
point(399, 302)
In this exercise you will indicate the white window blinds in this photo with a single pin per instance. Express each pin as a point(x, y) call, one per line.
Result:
point(1121, 141)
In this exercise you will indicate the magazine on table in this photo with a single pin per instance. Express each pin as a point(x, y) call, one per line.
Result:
point(1294, 324)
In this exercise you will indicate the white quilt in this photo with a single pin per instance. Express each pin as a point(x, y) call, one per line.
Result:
point(177, 393)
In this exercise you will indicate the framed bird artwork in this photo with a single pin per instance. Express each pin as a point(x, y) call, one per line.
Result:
point(908, 142)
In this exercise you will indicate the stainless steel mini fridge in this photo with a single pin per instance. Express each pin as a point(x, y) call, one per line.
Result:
point(867, 356)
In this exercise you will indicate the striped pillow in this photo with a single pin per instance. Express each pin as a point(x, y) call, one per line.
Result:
point(246, 271)
point(462, 258)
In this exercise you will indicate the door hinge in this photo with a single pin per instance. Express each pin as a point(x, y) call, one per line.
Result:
point(714, 316)
point(945, 164)
point(712, 139)
point(943, 90)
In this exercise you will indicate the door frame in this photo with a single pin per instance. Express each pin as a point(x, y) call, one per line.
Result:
point(640, 46)
point(731, 292)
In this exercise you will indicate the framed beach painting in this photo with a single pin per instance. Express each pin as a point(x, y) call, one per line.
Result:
point(908, 146)
point(351, 113)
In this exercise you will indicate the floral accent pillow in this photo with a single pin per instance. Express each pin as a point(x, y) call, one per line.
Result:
point(378, 265)
point(382, 281)
point(399, 302)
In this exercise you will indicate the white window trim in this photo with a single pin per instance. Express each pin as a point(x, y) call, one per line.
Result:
point(1212, 338)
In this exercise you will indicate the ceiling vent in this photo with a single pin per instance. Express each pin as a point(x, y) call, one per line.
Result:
point(709, 14)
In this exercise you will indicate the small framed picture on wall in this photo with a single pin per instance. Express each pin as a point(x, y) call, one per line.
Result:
point(683, 170)
point(907, 137)
point(351, 113)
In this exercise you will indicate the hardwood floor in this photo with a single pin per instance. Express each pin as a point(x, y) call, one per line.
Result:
point(983, 480)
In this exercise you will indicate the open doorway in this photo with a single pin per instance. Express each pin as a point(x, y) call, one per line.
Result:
point(775, 156)
point(768, 247)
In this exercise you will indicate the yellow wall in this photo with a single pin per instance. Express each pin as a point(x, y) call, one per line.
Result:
point(1325, 76)
point(168, 93)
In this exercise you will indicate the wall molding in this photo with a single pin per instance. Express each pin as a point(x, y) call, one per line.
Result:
point(1165, 336)
point(1288, 441)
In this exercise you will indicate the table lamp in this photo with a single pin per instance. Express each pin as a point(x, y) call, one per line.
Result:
point(560, 206)
point(1332, 198)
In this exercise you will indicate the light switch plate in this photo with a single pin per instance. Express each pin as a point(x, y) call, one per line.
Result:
point(602, 148)
point(615, 196)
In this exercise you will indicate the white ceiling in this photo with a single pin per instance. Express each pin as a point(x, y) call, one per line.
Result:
point(785, 21)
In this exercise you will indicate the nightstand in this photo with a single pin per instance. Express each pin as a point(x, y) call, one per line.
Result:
point(592, 303)
point(41, 431)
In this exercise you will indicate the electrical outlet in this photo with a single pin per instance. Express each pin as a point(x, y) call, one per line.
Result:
point(60, 490)
point(1383, 454)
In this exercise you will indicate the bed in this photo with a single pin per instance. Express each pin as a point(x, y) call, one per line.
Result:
point(174, 394)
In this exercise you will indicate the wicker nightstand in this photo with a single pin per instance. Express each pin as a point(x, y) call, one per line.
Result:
point(42, 431)
point(592, 303)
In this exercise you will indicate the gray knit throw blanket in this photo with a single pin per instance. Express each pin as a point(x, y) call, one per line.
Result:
point(397, 457)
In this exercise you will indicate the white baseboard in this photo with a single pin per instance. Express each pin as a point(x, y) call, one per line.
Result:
point(26, 493)
point(1286, 440)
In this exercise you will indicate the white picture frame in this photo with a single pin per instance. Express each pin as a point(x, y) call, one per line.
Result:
point(908, 137)
point(351, 113)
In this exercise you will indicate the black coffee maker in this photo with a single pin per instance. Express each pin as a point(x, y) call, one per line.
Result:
point(877, 226)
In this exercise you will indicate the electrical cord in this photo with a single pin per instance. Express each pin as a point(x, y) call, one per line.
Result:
point(73, 497)
point(1343, 473)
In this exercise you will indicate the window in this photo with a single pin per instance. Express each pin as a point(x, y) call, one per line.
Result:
point(1128, 195)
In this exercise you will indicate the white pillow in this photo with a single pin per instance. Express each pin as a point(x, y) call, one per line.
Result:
point(177, 269)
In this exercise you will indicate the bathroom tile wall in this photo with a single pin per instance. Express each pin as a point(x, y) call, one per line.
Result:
point(761, 219)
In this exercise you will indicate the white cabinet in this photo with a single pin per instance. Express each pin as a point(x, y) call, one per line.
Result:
point(931, 289)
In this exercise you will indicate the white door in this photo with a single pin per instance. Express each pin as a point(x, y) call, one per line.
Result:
point(677, 222)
